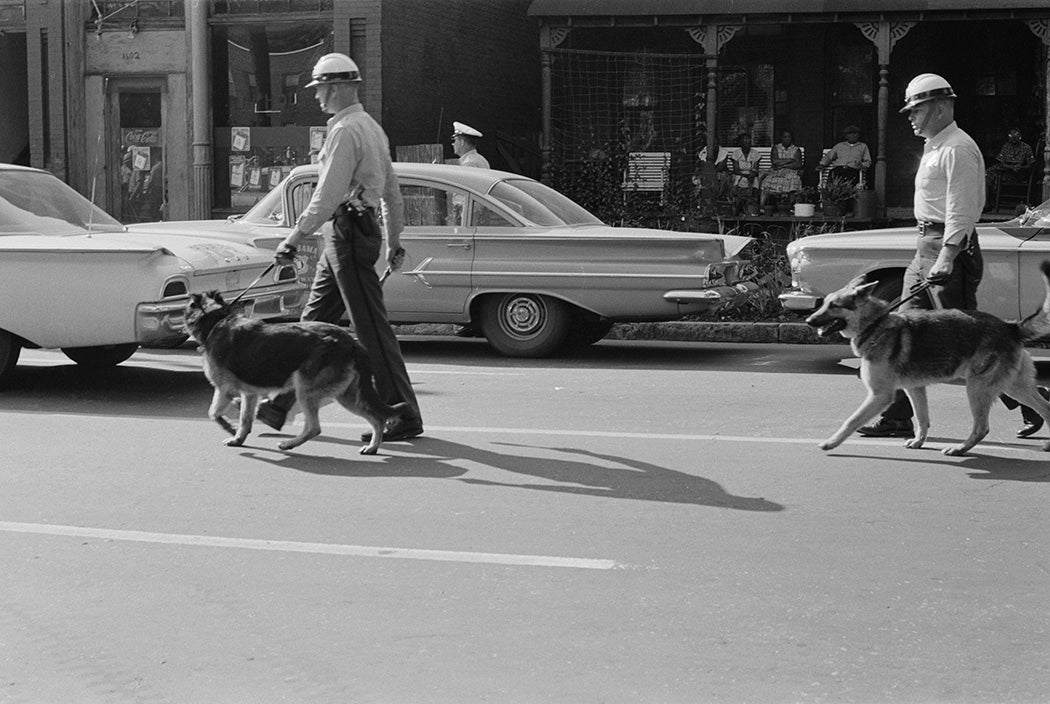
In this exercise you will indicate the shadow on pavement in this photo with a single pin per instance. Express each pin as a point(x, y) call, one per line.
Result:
point(580, 472)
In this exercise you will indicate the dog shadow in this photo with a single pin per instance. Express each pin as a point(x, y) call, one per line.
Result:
point(990, 467)
point(578, 472)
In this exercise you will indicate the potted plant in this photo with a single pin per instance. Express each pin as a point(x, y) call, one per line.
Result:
point(806, 202)
point(834, 195)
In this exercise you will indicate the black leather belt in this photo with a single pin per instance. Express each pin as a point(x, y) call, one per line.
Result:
point(927, 226)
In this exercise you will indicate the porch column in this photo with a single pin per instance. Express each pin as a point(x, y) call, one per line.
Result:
point(550, 37)
point(200, 68)
point(884, 35)
point(1041, 29)
point(712, 38)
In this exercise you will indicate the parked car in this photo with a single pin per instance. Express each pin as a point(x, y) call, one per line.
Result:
point(1012, 286)
point(527, 266)
point(72, 277)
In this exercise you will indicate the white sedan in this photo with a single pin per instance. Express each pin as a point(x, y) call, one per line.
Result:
point(531, 269)
point(72, 277)
point(1011, 288)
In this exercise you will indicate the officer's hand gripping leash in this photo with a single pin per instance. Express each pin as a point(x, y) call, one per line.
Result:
point(399, 257)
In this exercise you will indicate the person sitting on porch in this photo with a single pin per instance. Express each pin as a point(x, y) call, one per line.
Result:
point(742, 163)
point(785, 177)
point(1012, 164)
point(849, 157)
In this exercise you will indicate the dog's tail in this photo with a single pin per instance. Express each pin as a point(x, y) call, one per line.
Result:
point(1038, 323)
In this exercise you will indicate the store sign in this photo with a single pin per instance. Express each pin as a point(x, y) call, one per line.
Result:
point(140, 136)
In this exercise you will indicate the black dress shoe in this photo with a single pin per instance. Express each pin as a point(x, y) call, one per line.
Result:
point(271, 415)
point(398, 429)
point(886, 428)
point(1030, 428)
point(1033, 422)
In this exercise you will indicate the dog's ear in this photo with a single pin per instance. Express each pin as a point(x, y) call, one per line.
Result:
point(217, 297)
point(864, 290)
point(196, 300)
point(857, 281)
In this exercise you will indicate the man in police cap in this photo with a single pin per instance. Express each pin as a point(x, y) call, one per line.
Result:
point(356, 178)
point(465, 145)
point(949, 198)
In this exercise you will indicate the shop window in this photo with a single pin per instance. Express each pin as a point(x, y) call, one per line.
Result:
point(266, 120)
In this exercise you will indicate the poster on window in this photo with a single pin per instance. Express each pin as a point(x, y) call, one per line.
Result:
point(255, 177)
point(140, 158)
point(275, 176)
point(236, 171)
point(317, 135)
point(241, 139)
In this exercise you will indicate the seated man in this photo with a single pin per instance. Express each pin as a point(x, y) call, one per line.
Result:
point(849, 157)
point(1013, 163)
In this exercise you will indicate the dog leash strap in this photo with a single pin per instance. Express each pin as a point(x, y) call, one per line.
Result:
point(252, 285)
point(921, 288)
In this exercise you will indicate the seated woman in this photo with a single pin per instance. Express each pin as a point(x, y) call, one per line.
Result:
point(785, 177)
point(742, 164)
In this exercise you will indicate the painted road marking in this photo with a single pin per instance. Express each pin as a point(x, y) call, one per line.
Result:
point(135, 536)
point(436, 430)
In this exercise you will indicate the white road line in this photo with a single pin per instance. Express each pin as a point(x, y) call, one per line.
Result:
point(434, 431)
point(312, 548)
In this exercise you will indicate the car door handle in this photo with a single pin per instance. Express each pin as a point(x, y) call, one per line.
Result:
point(458, 245)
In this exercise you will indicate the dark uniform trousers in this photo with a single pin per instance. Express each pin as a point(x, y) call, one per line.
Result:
point(346, 280)
point(960, 291)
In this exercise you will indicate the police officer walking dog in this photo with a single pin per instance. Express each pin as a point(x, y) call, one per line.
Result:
point(949, 198)
point(356, 177)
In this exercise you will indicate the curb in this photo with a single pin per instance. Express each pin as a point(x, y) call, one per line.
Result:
point(681, 331)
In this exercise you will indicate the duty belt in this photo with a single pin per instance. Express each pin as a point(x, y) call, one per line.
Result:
point(927, 226)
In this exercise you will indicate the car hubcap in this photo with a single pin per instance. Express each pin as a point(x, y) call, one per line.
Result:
point(523, 317)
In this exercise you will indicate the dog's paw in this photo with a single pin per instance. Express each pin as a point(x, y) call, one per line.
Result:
point(829, 444)
point(233, 442)
point(369, 450)
point(226, 425)
point(915, 444)
point(954, 451)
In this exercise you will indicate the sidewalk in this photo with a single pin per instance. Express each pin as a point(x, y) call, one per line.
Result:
point(785, 333)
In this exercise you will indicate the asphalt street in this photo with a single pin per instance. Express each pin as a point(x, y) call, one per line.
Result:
point(645, 522)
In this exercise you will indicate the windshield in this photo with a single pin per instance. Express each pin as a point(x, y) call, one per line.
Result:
point(1039, 216)
point(267, 211)
point(540, 204)
point(38, 203)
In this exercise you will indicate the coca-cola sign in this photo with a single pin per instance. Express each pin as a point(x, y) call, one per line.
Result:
point(140, 136)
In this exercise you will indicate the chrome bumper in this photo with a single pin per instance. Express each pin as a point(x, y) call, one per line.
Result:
point(165, 322)
point(712, 298)
point(798, 300)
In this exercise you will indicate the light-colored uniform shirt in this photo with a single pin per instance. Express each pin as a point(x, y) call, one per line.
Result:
point(949, 184)
point(855, 156)
point(355, 166)
point(472, 158)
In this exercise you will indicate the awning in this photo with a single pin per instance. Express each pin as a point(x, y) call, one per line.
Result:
point(620, 8)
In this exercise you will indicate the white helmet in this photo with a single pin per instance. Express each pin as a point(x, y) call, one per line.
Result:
point(926, 86)
point(334, 68)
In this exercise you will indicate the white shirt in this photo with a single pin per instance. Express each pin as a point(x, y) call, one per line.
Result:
point(354, 166)
point(949, 184)
point(472, 158)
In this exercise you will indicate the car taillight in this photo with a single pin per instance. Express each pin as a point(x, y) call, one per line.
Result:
point(175, 288)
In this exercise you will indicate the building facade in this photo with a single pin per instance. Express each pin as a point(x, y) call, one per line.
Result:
point(187, 109)
point(680, 76)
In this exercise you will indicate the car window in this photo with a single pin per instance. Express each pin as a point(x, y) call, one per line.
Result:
point(540, 204)
point(302, 192)
point(40, 203)
point(482, 215)
point(431, 206)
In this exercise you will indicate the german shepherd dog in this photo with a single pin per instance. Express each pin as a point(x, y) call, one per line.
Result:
point(252, 358)
point(914, 348)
